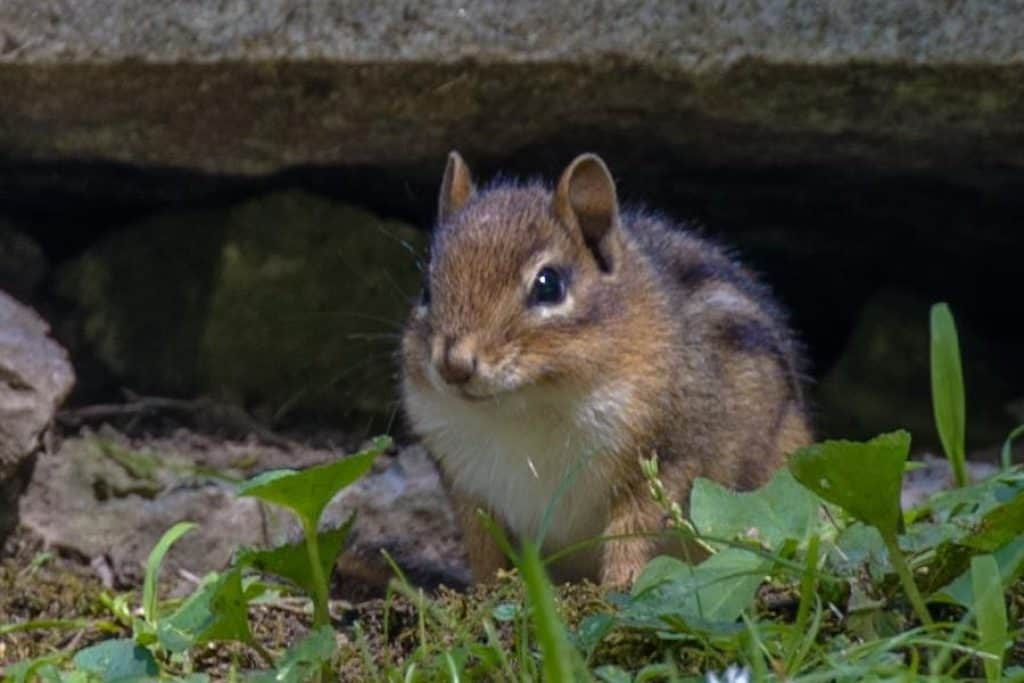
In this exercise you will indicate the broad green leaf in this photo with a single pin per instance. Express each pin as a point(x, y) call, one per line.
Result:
point(948, 389)
point(292, 561)
point(990, 613)
point(659, 570)
point(308, 491)
point(116, 660)
point(999, 526)
point(612, 674)
point(506, 611)
point(48, 673)
point(780, 510)
point(156, 558)
point(860, 546)
point(714, 592)
point(990, 520)
point(1010, 562)
point(31, 669)
point(1013, 674)
point(592, 630)
point(969, 504)
point(862, 478)
point(216, 611)
point(303, 661)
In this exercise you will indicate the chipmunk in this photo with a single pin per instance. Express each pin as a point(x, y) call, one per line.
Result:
point(558, 340)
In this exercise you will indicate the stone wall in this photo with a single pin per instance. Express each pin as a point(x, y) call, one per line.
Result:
point(854, 152)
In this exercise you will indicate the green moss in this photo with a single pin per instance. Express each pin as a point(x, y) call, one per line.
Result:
point(286, 303)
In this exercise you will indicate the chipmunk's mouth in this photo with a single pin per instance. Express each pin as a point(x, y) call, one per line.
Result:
point(487, 384)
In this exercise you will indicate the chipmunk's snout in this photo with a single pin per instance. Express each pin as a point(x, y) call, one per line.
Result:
point(454, 358)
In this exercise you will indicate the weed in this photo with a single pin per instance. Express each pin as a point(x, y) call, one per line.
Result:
point(817, 576)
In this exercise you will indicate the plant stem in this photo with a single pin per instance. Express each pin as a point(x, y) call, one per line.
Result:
point(960, 476)
point(899, 563)
point(321, 615)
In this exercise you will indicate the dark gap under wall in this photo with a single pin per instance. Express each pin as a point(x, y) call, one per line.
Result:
point(826, 239)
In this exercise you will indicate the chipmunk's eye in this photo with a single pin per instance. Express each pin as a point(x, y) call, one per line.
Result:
point(548, 287)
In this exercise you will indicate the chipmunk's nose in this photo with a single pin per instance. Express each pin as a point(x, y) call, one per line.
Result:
point(456, 360)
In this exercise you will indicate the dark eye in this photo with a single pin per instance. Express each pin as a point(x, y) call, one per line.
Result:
point(548, 287)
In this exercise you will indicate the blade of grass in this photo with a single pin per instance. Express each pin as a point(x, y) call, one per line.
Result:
point(758, 666)
point(990, 613)
point(156, 558)
point(1006, 455)
point(561, 661)
point(808, 594)
point(948, 389)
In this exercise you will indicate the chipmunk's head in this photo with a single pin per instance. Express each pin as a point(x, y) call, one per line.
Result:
point(521, 285)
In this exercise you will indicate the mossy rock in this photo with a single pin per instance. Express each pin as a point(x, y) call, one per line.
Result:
point(287, 303)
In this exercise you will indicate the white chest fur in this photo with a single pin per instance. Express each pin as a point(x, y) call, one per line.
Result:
point(535, 463)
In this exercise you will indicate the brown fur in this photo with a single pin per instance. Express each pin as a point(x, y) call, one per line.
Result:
point(667, 347)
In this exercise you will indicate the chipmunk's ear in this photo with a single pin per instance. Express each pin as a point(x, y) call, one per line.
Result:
point(585, 197)
point(456, 188)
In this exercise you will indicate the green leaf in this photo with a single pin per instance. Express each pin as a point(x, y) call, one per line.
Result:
point(999, 526)
point(216, 611)
point(156, 558)
point(990, 613)
point(612, 674)
point(592, 630)
point(862, 478)
point(714, 592)
point(117, 660)
point(860, 546)
point(1010, 563)
point(779, 511)
point(982, 518)
point(659, 570)
point(506, 611)
point(30, 669)
point(303, 661)
point(1013, 674)
point(1006, 454)
point(292, 561)
point(969, 504)
point(948, 389)
point(307, 492)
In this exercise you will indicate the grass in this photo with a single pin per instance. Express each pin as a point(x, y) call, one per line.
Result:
point(817, 576)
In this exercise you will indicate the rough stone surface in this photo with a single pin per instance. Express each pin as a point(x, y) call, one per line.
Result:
point(110, 498)
point(251, 85)
point(284, 303)
point(697, 34)
point(35, 377)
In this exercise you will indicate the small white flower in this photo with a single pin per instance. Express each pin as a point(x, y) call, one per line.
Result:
point(734, 674)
